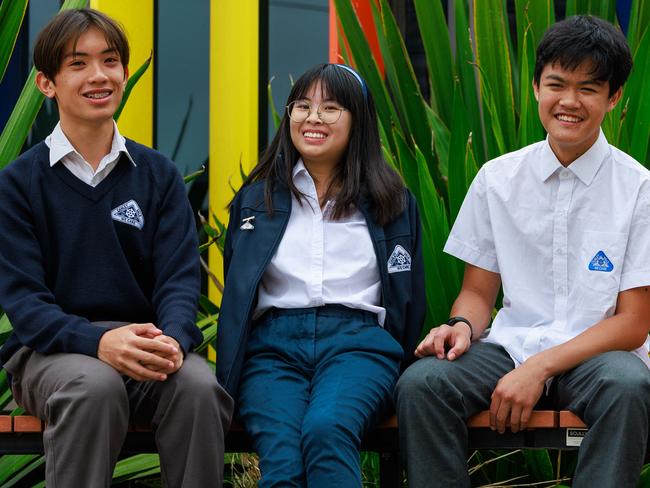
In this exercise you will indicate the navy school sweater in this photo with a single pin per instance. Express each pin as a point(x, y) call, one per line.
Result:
point(71, 254)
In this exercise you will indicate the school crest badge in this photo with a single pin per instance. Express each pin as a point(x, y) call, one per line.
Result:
point(129, 213)
point(399, 260)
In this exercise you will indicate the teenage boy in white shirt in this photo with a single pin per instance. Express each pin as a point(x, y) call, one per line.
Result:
point(563, 226)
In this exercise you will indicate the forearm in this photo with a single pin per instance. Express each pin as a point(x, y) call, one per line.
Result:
point(622, 332)
point(475, 308)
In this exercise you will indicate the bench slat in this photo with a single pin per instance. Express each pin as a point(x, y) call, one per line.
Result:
point(569, 419)
point(539, 419)
point(5, 423)
point(27, 423)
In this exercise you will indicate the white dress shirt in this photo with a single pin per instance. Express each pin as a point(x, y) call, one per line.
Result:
point(321, 261)
point(565, 241)
point(62, 150)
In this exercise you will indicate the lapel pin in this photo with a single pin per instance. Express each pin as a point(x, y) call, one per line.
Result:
point(247, 223)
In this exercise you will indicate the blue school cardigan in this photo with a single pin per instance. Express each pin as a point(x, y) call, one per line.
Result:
point(247, 253)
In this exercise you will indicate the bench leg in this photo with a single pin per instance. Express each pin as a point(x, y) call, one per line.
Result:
point(390, 470)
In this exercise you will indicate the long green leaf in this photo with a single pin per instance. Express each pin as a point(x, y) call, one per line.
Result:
point(20, 466)
point(365, 62)
point(530, 127)
point(603, 9)
point(441, 137)
point(533, 17)
point(11, 17)
point(133, 79)
point(494, 59)
point(29, 102)
point(639, 22)
point(460, 131)
point(466, 68)
point(638, 116)
point(437, 49)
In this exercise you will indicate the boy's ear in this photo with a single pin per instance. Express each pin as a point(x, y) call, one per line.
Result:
point(45, 85)
point(613, 100)
point(536, 90)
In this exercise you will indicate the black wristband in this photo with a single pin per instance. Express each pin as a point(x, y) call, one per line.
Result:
point(455, 320)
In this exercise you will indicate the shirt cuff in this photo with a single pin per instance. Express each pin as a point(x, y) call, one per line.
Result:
point(471, 256)
point(634, 279)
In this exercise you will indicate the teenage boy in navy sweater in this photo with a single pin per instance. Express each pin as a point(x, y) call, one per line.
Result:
point(99, 276)
point(563, 225)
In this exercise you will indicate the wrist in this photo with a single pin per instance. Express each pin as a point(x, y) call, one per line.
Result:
point(452, 321)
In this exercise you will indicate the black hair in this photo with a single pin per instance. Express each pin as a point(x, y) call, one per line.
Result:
point(581, 38)
point(362, 172)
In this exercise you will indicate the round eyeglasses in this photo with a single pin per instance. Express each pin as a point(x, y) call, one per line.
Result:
point(327, 112)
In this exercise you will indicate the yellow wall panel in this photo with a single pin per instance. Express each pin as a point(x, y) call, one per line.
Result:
point(234, 63)
point(137, 18)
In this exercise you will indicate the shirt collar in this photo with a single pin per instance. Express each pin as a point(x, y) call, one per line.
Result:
point(302, 179)
point(60, 145)
point(585, 167)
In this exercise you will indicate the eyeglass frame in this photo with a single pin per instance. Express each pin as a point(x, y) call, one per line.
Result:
point(318, 112)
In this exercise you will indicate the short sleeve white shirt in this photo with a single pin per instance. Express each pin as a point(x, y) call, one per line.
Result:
point(565, 241)
point(320, 260)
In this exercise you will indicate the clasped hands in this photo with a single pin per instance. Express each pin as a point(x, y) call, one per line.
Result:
point(515, 394)
point(140, 351)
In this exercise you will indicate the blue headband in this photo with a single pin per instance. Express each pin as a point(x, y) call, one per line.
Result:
point(357, 76)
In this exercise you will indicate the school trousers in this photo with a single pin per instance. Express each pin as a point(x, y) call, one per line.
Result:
point(314, 380)
point(610, 392)
point(87, 405)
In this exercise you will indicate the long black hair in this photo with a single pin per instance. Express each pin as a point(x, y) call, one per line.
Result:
point(362, 174)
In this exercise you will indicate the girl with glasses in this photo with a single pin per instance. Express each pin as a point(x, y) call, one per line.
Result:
point(324, 285)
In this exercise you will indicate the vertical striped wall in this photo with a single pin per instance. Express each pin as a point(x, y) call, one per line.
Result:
point(234, 73)
point(137, 18)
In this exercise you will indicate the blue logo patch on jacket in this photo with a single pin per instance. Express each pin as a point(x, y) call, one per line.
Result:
point(600, 262)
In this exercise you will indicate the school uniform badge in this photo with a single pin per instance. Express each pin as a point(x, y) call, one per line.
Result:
point(129, 213)
point(600, 262)
point(399, 260)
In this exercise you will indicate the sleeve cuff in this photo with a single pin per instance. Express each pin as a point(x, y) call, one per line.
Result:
point(634, 280)
point(471, 256)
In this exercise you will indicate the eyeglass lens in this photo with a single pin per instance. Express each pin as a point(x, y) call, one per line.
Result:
point(328, 112)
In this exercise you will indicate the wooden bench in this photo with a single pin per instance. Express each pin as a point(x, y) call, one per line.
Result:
point(547, 429)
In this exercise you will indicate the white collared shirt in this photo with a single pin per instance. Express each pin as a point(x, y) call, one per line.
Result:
point(321, 261)
point(565, 241)
point(62, 150)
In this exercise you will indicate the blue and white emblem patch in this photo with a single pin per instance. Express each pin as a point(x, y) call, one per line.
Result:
point(399, 260)
point(129, 213)
point(600, 262)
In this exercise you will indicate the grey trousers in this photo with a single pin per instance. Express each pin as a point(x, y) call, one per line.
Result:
point(87, 405)
point(611, 392)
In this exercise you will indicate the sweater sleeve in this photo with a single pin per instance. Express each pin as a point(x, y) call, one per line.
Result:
point(38, 322)
point(176, 266)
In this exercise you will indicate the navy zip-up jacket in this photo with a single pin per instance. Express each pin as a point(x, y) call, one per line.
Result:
point(247, 253)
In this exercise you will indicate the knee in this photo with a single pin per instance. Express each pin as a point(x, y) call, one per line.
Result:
point(425, 378)
point(97, 388)
point(195, 383)
point(630, 386)
point(323, 431)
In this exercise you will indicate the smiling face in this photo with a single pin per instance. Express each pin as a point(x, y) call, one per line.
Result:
point(319, 143)
point(89, 85)
point(572, 106)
